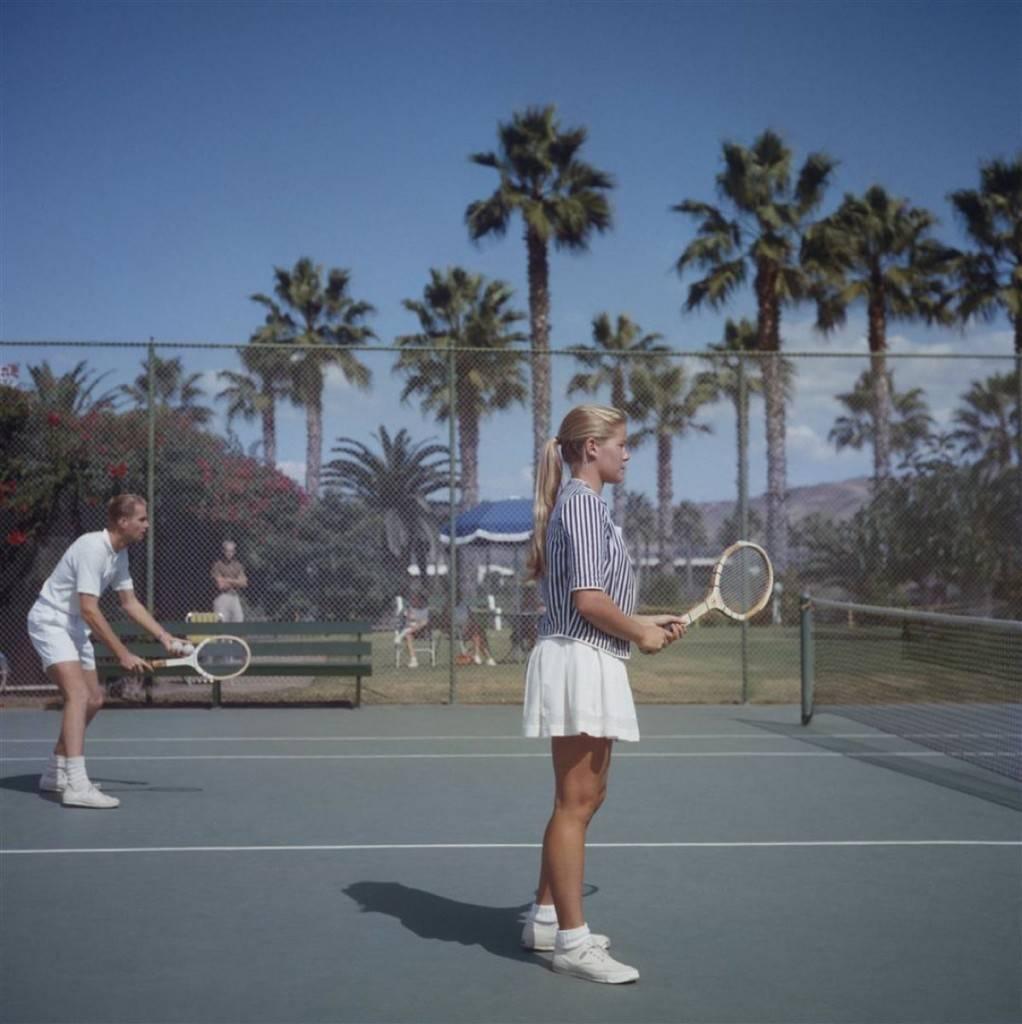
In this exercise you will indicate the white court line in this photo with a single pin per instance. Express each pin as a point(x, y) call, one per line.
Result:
point(515, 755)
point(427, 739)
point(369, 847)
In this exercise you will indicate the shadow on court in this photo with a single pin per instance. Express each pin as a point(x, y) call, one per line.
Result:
point(961, 777)
point(495, 929)
point(30, 784)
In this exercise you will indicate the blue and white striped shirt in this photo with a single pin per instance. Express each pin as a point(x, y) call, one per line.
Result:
point(584, 551)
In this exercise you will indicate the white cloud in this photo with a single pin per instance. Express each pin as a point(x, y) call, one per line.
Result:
point(295, 470)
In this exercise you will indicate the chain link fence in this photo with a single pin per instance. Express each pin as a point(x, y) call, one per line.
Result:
point(339, 478)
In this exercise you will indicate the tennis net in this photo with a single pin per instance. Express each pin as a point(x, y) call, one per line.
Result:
point(945, 682)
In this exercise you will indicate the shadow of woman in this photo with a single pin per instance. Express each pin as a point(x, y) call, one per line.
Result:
point(495, 929)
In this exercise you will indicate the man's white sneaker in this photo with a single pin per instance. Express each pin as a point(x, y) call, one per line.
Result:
point(490, 662)
point(543, 937)
point(88, 797)
point(591, 962)
point(413, 662)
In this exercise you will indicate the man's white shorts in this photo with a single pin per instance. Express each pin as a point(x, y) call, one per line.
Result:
point(57, 637)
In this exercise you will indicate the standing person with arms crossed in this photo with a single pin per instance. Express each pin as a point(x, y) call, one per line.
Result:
point(576, 688)
point(59, 624)
point(229, 576)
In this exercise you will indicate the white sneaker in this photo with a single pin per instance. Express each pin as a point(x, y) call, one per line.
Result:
point(413, 662)
point(543, 937)
point(55, 783)
point(89, 797)
point(591, 962)
point(490, 662)
point(476, 660)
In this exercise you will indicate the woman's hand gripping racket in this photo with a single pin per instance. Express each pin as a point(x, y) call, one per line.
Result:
point(217, 657)
point(740, 586)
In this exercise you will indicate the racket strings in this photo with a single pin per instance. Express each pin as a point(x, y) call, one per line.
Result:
point(744, 580)
point(222, 656)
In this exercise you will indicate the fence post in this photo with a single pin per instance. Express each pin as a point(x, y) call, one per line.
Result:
point(150, 542)
point(452, 558)
point(805, 607)
point(743, 499)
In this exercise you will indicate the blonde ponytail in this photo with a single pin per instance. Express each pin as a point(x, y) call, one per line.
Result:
point(584, 421)
point(548, 483)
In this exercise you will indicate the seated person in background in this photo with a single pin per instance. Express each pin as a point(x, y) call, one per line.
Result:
point(473, 634)
point(416, 619)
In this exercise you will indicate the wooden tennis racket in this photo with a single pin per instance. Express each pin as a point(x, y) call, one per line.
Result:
point(217, 657)
point(741, 584)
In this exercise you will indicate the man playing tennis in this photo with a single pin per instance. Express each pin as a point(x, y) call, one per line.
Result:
point(59, 624)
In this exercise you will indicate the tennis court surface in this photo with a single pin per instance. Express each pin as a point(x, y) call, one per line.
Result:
point(312, 866)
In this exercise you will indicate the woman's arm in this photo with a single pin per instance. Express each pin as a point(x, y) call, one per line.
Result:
point(596, 606)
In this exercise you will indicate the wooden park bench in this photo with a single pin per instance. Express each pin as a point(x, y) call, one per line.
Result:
point(292, 649)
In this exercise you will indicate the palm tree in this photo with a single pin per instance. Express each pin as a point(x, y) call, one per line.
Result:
point(639, 528)
point(690, 532)
point(323, 319)
point(463, 310)
point(990, 278)
point(768, 218)
point(665, 406)
point(608, 360)
point(255, 393)
point(561, 199)
point(986, 423)
point(397, 483)
point(173, 389)
point(71, 393)
point(909, 423)
point(876, 249)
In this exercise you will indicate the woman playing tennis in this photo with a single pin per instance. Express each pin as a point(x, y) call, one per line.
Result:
point(576, 688)
point(59, 623)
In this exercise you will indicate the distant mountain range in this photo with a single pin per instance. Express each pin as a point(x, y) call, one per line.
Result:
point(839, 501)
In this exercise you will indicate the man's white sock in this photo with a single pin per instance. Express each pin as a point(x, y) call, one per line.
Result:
point(77, 778)
point(57, 763)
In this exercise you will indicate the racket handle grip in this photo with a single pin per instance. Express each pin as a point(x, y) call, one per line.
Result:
point(158, 662)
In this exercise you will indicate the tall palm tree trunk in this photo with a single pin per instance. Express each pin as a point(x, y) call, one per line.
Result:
point(269, 424)
point(665, 498)
point(314, 443)
point(468, 453)
point(768, 331)
point(539, 323)
point(618, 399)
point(881, 390)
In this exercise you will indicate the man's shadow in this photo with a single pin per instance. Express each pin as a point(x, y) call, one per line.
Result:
point(30, 784)
point(496, 929)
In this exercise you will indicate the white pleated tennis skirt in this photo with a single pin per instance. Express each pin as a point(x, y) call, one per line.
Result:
point(573, 688)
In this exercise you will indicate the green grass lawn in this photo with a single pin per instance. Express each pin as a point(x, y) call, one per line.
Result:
point(705, 667)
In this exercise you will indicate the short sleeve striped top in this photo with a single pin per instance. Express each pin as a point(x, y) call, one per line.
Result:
point(584, 551)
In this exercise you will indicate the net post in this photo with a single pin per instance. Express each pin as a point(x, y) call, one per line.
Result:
point(743, 500)
point(805, 608)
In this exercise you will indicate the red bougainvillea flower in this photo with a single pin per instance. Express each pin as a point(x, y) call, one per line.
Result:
point(117, 470)
point(53, 418)
point(16, 537)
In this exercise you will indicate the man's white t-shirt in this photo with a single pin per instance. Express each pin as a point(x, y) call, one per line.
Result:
point(89, 566)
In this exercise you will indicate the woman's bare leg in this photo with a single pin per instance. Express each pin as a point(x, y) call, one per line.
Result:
point(581, 766)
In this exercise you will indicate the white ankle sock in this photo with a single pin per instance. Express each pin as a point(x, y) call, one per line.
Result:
point(56, 763)
point(77, 778)
point(543, 913)
point(572, 938)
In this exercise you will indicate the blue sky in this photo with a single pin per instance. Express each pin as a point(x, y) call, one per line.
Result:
point(159, 159)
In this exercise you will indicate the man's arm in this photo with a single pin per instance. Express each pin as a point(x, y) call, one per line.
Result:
point(137, 612)
point(98, 625)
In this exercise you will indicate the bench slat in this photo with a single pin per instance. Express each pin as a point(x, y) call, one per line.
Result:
point(247, 629)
